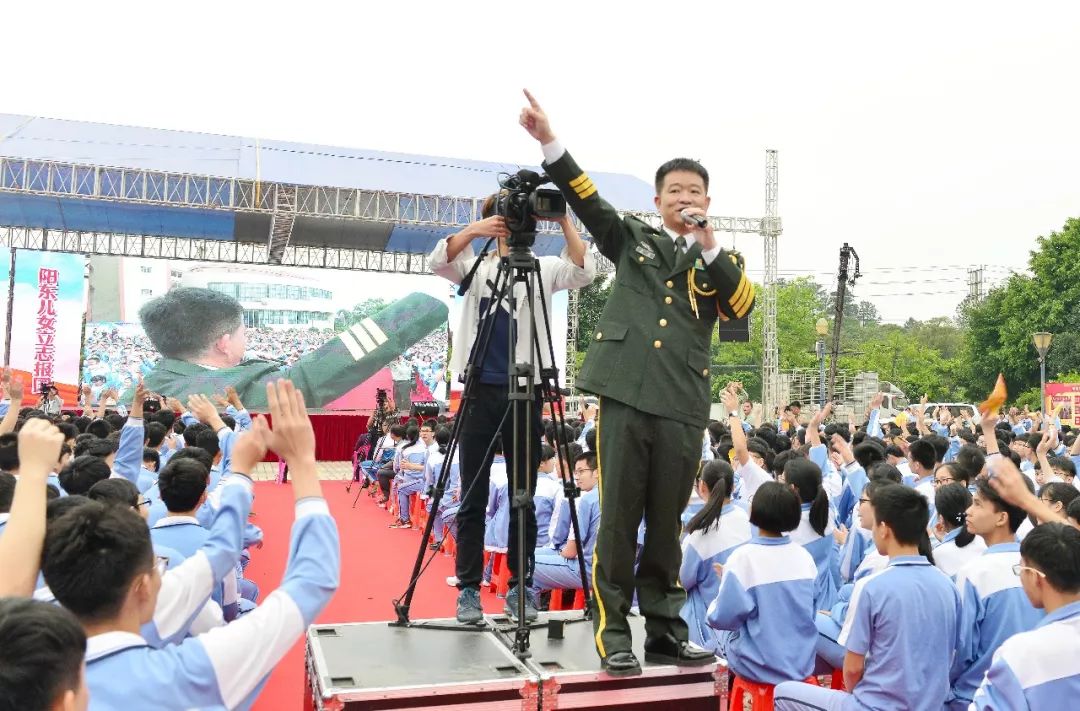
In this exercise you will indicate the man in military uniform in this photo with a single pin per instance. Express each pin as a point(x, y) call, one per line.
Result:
point(649, 363)
point(200, 335)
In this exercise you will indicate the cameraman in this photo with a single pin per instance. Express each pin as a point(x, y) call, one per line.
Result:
point(51, 403)
point(452, 259)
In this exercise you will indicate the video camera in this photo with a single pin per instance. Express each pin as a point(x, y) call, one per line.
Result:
point(522, 202)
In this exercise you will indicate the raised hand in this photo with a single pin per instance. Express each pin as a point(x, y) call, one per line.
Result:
point(250, 447)
point(292, 436)
point(204, 410)
point(220, 399)
point(535, 121)
point(730, 399)
point(15, 390)
point(233, 397)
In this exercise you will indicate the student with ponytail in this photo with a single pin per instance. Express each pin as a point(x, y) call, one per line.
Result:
point(956, 546)
point(711, 535)
point(815, 531)
point(410, 464)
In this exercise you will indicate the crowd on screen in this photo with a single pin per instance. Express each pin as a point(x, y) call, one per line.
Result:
point(933, 564)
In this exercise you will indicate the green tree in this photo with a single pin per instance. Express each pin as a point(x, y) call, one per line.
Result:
point(368, 307)
point(591, 300)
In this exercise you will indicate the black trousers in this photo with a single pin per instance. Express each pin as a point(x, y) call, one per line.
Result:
point(386, 476)
point(482, 417)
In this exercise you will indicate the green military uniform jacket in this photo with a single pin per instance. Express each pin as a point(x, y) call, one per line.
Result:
point(324, 375)
point(651, 347)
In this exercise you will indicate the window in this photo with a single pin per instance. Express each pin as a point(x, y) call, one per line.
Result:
point(253, 291)
point(223, 288)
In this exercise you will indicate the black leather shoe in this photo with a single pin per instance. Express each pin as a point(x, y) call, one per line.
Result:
point(621, 664)
point(668, 650)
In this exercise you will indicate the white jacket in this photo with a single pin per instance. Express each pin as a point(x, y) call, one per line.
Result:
point(556, 274)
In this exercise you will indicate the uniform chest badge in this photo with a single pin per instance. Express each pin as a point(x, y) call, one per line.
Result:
point(699, 265)
point(645, 250)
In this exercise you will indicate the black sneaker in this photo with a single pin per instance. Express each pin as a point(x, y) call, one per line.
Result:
point(511, 606)
point(469, 611)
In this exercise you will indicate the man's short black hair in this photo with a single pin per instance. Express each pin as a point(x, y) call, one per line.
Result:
point(923, 452)
point(197, 453)
point(971, 459)
point(181, 483)
point(191, 433)
point(114, 491)
point(83, 472)
point(208, 440)
point(42, 654)
point(92, 554)
point(884, 471)
point(9, 452)
point(684, 164)
point(775, 508)
point(1015, 513)
point(96, 447)
point(1065, 464)
point(230, 421)
point(69, 430)
point(1054, 548)
point(868, 452)
point(1059, 492)
point(168, 320)
point(546, 452)
point(904, 510)
point(81, 423)
point(588, 457)
point(7, 491)
point(99, 428)
point(155, 434)
point(151, 455)
point(116, 421)
point(940, 445)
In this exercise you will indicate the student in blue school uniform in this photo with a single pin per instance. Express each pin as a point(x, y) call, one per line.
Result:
point(151, 463)
point(411, 462)
point(432, 470)
point(497, 518)
point(548, 487)
point(830, 622)
point(994, 604)
point(901, 626)
point(100, 565)
point(1038, 669)
point(815, 530)
point(955, 546)
point(711, 536)
point(766, 596)
point(559, 569)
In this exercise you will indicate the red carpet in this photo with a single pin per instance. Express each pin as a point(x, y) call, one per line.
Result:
point(375, 566)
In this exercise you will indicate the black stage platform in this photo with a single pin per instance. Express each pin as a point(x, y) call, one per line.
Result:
point(374, 666)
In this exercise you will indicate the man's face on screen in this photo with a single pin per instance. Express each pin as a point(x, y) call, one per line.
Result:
point(232, 346)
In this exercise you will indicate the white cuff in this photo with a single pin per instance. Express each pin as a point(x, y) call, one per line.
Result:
point(312, 506)
point(552, 151)
point(708, 255)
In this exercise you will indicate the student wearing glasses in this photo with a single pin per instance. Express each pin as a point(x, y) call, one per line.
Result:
point(558, 569)
point(1038, 669)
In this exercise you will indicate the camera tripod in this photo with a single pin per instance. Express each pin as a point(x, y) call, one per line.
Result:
point(520, 265)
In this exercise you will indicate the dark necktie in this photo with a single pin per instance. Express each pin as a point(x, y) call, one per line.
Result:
point(680, 242)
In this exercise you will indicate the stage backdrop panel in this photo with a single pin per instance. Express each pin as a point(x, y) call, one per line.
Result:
point(320, 320)
point(48, 303)
point(1068, 396)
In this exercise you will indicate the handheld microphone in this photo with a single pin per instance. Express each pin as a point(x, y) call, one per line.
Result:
point(696, 220)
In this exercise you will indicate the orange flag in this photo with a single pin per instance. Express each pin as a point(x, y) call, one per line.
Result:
point(993, 403)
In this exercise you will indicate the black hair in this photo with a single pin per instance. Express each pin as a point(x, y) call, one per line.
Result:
point(114, 491)
point(957, 472)
point(181, 483)
point(7, 491)
point(398, 431)
point(168, 320)
point(868, 453)
point(208, 440)
point(971, 459)
point(1073, 509)
point(775, 508)
point(886, 472)
point(781, 460)
point(763, 449)
point(940, 445)
point(81, 422)
point(412, 435)
point(719, 479)
point(805, 476)
point(91, 555)
point(115, 421)
point(228, 420)
point(153, 456)
point(442, 438)
point(1015, 513)
point(42, 655)
point(716, 431)
point(167, 418)
point(1054, 549)
point(199, 454)
point(1059, 492)
point(192, 432)
point(923, 452)
point(590, 439)
point(58, 507)
point(83, 472)
point(155, 434)
point(904, 510)
point(587, 457)
point(99, 428)
point(546, 452)
point(688, 165)
point(95, 447)
point(952, 502)
point(1065, 464)
point(9, 452)
point(893, 451)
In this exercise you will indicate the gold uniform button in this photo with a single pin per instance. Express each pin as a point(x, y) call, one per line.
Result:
point(705, 373)
point(663, 323)
point(669, 284)
point(667, 299)
point(657, 344)
point(641, 259)
point(599, 335)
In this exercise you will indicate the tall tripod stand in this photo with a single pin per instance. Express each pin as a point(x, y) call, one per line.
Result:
point(525, 385)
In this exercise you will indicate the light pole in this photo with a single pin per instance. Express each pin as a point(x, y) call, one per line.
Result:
point(822, 328)
point(1042, 341)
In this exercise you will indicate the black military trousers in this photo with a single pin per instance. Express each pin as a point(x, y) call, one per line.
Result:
point(482, 417)
point(647, 468)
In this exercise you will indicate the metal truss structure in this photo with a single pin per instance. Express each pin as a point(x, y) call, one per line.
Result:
point(285, 202)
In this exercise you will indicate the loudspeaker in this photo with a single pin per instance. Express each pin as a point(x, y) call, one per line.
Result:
point(424, 409)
